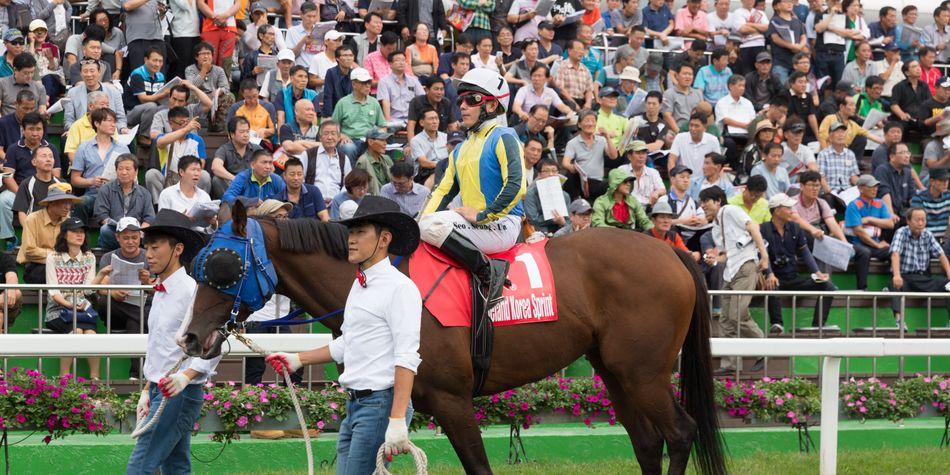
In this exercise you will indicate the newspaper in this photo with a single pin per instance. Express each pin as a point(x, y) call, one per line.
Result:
point(874, 118)
point(127, 273)
point(833, 252)
point(551, 197)
point(170, 84)
point(319, 30)
point(267, 61)
point(543, 8)
point(380, 5)
point(58, 106)
point(910, 34)
point(201, 214)
point(126, 139)
point(848, 195)
point(576, 17)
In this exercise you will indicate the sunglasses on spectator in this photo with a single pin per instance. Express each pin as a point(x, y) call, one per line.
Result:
point(474, 99)
point(18, 42)
point(88, 61)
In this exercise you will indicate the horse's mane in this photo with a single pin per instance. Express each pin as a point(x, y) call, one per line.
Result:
point(305, 235)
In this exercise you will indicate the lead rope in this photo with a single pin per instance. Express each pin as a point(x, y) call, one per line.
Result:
point(422, 462)
point(142, 424)
point(293, 396)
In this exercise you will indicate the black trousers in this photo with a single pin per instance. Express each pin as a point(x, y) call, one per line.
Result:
point(734, 145)
point(920, 283)
point(34, 273)
point(183, 51)
point(574, 188)
point(254, 367)
point(862, 262)
point(798, 282)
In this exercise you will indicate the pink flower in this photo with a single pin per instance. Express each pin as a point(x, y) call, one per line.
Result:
point(241, 421)
point(892, 402)
point(47, 439)
point(320, 425)
point(334, 406)
point(863, 410)
point(21, 418)
point(208, 396)
point(196, 427)
point(258, 418)
point(779, 401)
point(790, 414)
point(248, 405)
point(587, 421)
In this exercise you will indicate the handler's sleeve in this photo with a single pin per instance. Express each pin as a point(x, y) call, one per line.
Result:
point(338, 348)
point(405, 322)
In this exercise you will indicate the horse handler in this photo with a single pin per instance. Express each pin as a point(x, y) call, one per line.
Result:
point(379, 345)
point(169, 242)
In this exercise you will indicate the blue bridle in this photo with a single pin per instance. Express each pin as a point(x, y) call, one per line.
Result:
point(257, 281)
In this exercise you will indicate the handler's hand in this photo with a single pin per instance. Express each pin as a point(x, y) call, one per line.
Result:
point(141, 409)
point(173, 384)
point(397, 438)
point(279, 361)
point(470, 214)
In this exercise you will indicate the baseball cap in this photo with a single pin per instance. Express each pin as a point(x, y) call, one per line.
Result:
point(939, 174)
point(72, 223)
point(455, 137)
point(837, 126)
point(795, 127)
point(636, 146)
point(630, 73)
point(38, 25)
point(249, 201)
point(258, 7)
point(763, 56)
point(128, 222)
point(892, 46)
point(12, 35)
point(332, 35)
point(680, 169)
point(378, 134)
point(608, 91)
point(845, 86)
point(360, 74)
point(286, 54)
point(867, 180)
point(545, 25)
point(781, 199)
point(661, 207)
point(764, 125)
point(580, 206)
point(944, 82)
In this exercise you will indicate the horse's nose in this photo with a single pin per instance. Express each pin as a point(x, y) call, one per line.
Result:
point(189, 344)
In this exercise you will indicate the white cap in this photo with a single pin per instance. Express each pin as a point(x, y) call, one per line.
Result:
point(347, 209)
point(332, 35)
point(783, 200)
point(129, 223)
point(38, 24)
point(286, 54)
point(360, 74)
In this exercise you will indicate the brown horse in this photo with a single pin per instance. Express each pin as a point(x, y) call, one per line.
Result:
point(626, 301)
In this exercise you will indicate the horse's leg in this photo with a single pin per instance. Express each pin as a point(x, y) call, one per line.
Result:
point(456, 415)
point(647, 442)
point(654, 398)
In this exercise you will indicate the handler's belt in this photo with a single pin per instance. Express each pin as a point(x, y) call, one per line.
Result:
point(361, 393)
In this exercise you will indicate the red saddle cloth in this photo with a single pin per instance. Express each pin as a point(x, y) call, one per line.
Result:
point(447, 294)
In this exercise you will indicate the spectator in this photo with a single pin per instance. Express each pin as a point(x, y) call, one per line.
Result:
point(185, 194)
point(632, 99)
point(761, 84)
point(658, 21)
point(870, 99)
point(909, 95)
point(519, 73)
point(536, 127)
point(838, 164)
point(625, 20)
point(13, 42)
point(303, 133)
point(324, 60)
point(508, 51)
point(713, 79)
point(712, 175)
point(608, 123)
point(573, 78)
point(429, 146)
point(356, 114)
point(11, 130)
point(736, 239)
point(354, 189)
point(338, 84)
point(180, 97)
point(724, 24)
point(932, 110)
point(143, 28)
point(78, 96)
point(93, 158)
point(421, 57)
point(266, 38)
point(24, 67)
point(908, 49)
point(375, 161)
point(689, 219)
point(693, 56)
point(523, 16)
point(185, 31)
point(585, 157)
point(929, 74)
point(650, 127)
point(662, 217)
point(856, 137)
point(257, 182)
point(815, 216)
point(865, 220)
point(533, 150)
point(771, 168)
point(307, 200)
point(377, 63)
point(883, 31)
point(126, 305)
point(47, 58)
point(434, 98)
point(935, 201)
point(648, 185)
point(548, 49)
point(735, 112)
point(752, 199)
point(296, 91)
point(145, 88)
point(897, 184)
point(183, 140)
point(538, 93)
point(396, 90)
point(937, 35)
point(40, 229)
point(534, 211)
point(893, 133)
point(911, 252)
point(72, 263)
point(788, 37)
point(581, 213)
point(617, 208)
point(858, 71)
point(891, 68)
point(91, 52)
point(11, 300)
point(370, 40)
point(233, 157)
point(936, 152)
point(120, 198)
point(829, 106)
point(300, 36)
point(788, 248)
point(329, 164)
point(34, 188)
point(211, 79)
point(680, 101)
point(18, 163)
point(690, 147)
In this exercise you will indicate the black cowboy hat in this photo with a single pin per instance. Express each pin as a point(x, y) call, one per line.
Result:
point(384, 211)
point(177, 225)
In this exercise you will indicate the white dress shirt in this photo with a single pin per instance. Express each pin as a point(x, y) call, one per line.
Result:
point(169, 310)
point(740, 110)
point(381, 326)
point(646, 184)
point(172, 198)
point(328, 177)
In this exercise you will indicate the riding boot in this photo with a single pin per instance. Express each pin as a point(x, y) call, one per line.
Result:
point(490, 273)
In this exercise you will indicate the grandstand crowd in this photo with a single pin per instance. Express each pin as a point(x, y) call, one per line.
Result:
point(730, 133)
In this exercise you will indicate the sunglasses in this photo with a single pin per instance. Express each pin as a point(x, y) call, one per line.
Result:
point(18, 42)
point(475, 99)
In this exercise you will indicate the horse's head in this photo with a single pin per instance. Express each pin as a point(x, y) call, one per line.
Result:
point(235, 277)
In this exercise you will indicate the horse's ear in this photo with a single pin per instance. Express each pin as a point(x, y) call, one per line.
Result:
point(238, 218)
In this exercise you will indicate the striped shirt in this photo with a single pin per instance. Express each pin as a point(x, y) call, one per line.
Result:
point(838, 168)
point(937, 209)
point(915, 251)
point(574, 80)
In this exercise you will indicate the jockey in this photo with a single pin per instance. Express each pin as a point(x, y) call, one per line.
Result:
point(379, 341)
point(485, 171)
point(169, 242)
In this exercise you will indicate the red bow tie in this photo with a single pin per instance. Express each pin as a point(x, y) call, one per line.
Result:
point(159, 287)
point(361, 277)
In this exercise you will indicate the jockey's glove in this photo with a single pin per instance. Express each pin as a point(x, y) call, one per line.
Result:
point(174, 384)
point(279, 361)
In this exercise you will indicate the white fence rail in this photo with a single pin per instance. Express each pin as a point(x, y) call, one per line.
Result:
point(831, 351)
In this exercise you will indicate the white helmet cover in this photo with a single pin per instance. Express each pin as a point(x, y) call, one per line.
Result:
point(489, 82)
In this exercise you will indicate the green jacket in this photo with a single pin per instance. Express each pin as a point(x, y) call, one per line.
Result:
point(378, 171)
point(603, 206)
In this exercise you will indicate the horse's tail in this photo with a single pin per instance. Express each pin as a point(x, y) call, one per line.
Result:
point(696, 383)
